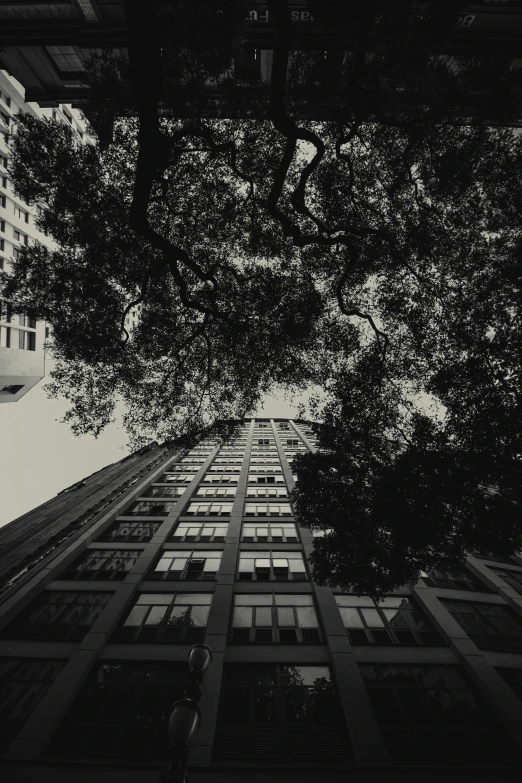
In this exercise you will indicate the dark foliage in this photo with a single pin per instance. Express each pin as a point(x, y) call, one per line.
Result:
point(351, 226)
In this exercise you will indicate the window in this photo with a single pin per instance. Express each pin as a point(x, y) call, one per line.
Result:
point(183, 467)
point(195, 565)
point(3, 201)
point(284, 532)
point(12, 388)
point(431, 715)
point(197, 531)
point(264, 441)
point(164, 492)
point(267, 492)
point(103, 564)
point(493, 558)
point(456, 578)
point(490, 626)
point(268, 510)
point(2, 225)
point(166, 617)
point(136, 532)
point(27, 320)
point(262, 426)
point(23, 683)
point(179, 478)
point(513, 677)
point(274, 712)
point(216, 492)
point(4, 182)
point(19, 237)
point(228, 459)
point(219, 478)
point(292, 442)
point(254, 460)
point(265, 468)
point(4, 161)
point(2, 246)
point(513, 578)
point(264, 566)
point(5, 117)
point(64, 616)
point(262, 618)
point(395, 620)
point(27, 341)
point(146, 508)
point(228, 468)
point(22, 215)
point(122, 710)
point(5, 336)
point(66, 60)
point(209, 509)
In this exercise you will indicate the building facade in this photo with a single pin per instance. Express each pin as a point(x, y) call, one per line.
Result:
point(46, 45)
point(306, 683)
point(22, 338)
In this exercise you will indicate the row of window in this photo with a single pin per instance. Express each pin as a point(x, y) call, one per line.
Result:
point(7, 315)
point(6, 99)
point(228, 476)
point(115, 564)
point(396, 620)
point(218, 491)
point(17, 338)
point(145, 508)
point(426, 714)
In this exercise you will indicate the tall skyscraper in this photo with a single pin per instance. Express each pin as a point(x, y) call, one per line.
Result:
point(306, 683)
point(22, 338)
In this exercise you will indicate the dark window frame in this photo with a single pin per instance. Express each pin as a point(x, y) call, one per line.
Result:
point(405, 708)
point(31, 623)
point(103, 719)
point(22, 687)
point(153, 509)
point(199, 537)
point(272, 573)
point(129, 537)
point(262, 727)
point(385, 633)
point(189, 572)
point(105, 573)
point(162, 632)
point(484, 640)
point(511, 577)
point(270, 538)
point(273, 633)
point(458, 578)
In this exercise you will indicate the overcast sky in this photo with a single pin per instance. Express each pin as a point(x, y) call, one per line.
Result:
point(39, 456)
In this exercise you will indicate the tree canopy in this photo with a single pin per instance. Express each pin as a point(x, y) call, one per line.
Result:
point(369, 248)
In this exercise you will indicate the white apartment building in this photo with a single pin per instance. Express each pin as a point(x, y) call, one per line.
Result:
point(22, 339)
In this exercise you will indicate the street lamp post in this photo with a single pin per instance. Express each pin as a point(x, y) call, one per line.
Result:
point(186, 716)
